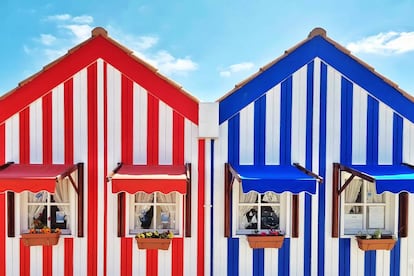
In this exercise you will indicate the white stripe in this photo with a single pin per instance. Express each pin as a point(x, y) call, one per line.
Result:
point(36, 132)
point(12, 139)
point(245, 258)
point(140, 124)
point(246, 149)
point(165, 129)
point(359, 125)
point(273, 126)
point(270, 266)
point(58, 125)
point(385, 134)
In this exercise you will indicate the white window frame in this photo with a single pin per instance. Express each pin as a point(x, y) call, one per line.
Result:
point(179, 216)
point(390, 206)
point(24, 205)
point(284, 216)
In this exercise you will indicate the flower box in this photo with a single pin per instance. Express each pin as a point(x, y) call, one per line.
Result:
point(384, 243)
point(40, 239)
point(265, 241)
point(153, 243)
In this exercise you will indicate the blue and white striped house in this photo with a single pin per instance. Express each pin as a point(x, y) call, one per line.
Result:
point(319, 145)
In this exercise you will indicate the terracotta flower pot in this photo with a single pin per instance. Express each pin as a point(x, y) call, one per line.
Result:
point(268, 241)
point(384, 243)
point(40, 239)
point(150, 243)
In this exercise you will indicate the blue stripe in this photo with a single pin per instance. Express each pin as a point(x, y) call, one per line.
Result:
point(308, 198)
point(346, 121)
point(233, 158)
point(259, 131)
point(286, 122)
point(322, 171)
point(316, 47)
point(372, 131)
point(258, 262)
point(370, 265)
point(395, 257)
point(233, 257)
point(283, 258)
point(344, 257)
point(397, 139)
point(212, 207)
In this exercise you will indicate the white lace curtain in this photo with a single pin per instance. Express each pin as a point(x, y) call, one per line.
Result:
point(142, 197)
point(352, 192)
point(61, 195)
point(250, 197)
point(35, 210)
point(169, 209)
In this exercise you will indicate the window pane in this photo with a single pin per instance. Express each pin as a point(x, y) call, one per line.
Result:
point(352, 209)
point(37, 217)
point(166, 198)
point(269, 217)
point(39, 197)
point(142, 197)
point(59, 216)
point(143, 217)
point(372, 196)
point(353, 192)
point(250, 197)
point(166, 217)
point(270, 197)
point(248, 217)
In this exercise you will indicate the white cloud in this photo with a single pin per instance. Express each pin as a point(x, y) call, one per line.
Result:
point(59, 17)
point(83, 19)
point(79, 32)
point(168, 64)
point(384, 43)
point(47, 39)
point(235, 68)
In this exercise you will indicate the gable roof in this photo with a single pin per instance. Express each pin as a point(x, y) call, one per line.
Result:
point(99, 45)
point(317, 44)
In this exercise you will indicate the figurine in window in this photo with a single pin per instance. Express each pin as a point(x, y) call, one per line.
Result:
point(146, 218)
point(251, 217)
point(269, 220)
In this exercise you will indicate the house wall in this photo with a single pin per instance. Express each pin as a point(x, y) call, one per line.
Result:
point(101, 117)
point(316, 116)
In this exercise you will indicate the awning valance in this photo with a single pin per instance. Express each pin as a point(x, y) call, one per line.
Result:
point(32, 177)
point(149, 179)
point(387, 178)
point(275, 178)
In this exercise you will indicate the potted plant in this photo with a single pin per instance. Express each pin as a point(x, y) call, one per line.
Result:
point(154, 240)
point(271, 239)
point(44, 236)
point(377, 241)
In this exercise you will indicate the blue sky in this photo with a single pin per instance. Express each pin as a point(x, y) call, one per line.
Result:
point(206, 46)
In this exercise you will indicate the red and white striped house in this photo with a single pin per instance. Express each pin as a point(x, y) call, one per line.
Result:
point(73, 137)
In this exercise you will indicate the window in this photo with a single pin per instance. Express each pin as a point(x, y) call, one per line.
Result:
point(255, 211)
point(364, 211)
point(156, 211)
point(55, 210)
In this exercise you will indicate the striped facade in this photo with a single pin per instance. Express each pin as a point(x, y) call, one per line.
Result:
point(112, 110)
point(316, 105)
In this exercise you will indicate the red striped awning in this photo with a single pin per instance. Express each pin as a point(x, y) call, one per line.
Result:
point(32, 177)
point(149, 179)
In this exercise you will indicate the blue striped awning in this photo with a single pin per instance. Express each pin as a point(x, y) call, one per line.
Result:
point(275, 178)
point(387, 178)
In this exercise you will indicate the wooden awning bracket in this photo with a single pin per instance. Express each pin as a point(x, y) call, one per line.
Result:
point(309, 172)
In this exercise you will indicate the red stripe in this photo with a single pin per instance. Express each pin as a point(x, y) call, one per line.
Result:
point(127, 124)
point(2, 208)
point(200, 213)
point(92, 170)
point(47, 128)
point(47, 260)
point(126, 256)
point(177, 257)
point(68, 255)
point(152, 262)
point(24, 128)
point(68, 102)
point(178, 139)
point(152, 130)
point(105, 229)
point(24, 259)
